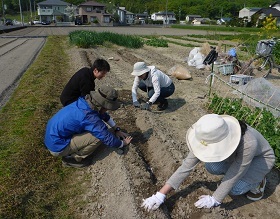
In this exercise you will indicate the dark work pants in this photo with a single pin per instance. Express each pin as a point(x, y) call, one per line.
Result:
point(164, 91)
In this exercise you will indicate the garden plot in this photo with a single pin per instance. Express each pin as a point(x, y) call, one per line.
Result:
point(116, 184)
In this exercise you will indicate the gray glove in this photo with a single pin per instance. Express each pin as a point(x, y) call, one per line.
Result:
point(136, 103)
point(145, 106)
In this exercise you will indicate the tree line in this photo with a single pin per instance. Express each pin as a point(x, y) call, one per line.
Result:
point(206, 8)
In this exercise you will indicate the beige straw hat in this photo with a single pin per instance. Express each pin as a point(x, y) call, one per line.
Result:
point(213, 137)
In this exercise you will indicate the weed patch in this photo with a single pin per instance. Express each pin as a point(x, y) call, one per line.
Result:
point(89, 39)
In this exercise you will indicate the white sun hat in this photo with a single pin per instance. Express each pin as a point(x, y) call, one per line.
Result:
point(213, 138)
point(140, 68)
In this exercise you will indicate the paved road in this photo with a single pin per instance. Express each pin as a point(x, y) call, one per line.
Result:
point(16, 54)
point(137, 30)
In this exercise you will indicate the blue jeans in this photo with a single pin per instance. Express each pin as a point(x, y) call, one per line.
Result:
point(220, 168)
point(164, 91)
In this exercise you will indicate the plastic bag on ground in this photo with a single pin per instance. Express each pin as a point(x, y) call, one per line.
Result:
point(262, 90)
point(180, 72)
point(199, 58)
point(193, 52)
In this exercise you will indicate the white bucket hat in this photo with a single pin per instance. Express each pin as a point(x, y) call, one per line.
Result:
point(213, 138)
point(140, 68)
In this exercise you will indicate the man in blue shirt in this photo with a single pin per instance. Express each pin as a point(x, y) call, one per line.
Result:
point(76, 130)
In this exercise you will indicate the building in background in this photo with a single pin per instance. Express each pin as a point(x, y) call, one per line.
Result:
point(165, 17)
point(53, 11)
point(92, 12)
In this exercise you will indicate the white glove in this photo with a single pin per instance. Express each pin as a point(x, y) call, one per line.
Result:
point(206, 201)
point(153, 202)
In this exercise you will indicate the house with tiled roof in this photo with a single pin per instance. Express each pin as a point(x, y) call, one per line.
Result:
point(265, 12)
point(191, 17)
point(247, 13)
point(167, 17)
point(275, 5)
point(53, 10)
point(92, 12)
point(125, 16)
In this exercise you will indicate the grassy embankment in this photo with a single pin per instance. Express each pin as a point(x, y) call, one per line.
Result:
point(33, 183)
point(30, 178)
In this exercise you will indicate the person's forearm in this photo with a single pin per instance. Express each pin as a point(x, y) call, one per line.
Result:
point(165, 189)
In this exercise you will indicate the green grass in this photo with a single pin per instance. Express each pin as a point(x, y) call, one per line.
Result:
point(216, 28)
point(30, 178)
point(89, 39)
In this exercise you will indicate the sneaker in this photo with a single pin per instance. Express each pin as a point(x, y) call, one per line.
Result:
point(71, 162)
point(163, 105)
point(257, 193)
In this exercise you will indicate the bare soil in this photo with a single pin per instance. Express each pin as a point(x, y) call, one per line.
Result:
point(115, 184)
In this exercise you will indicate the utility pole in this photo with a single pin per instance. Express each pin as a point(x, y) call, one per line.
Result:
point(20, 13)
point(3, 14)
point(166, 13)
point(179, 14)
point(30, 8)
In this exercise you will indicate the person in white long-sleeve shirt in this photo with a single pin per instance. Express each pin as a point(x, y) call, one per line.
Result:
point(158, 86)
point(228, 147)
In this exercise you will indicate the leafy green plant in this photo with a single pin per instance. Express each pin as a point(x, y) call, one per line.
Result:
point(88, 39)
point(261, 119)
point(157, 42)
point(276, 53)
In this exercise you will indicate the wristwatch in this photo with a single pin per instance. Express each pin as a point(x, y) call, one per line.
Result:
point(117, 129)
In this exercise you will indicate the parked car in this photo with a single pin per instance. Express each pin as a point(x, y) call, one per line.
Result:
point(46, 22)
point(34, 22)
point(9, 22)
point(78, 21)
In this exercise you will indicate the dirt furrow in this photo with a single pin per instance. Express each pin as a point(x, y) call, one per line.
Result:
point(117, 183)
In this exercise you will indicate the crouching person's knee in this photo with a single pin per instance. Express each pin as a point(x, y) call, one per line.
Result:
point(216, 168)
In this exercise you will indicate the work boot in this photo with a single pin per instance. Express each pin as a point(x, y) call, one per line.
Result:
point(71, 162)
point(163, 105)
point(257, 193)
